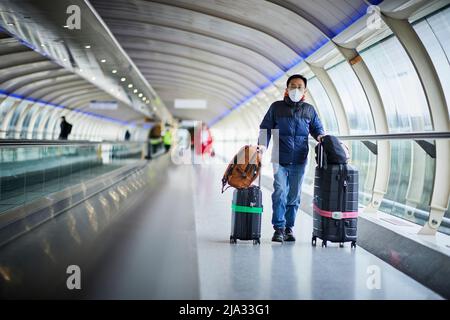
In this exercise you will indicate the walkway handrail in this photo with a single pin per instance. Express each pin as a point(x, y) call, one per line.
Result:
point(30, 142)
point(399, 136)
point(424, 135)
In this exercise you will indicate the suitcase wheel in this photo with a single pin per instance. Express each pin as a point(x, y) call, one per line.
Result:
point(353, 244)
point(341, 244)
point(324, 243)
point(232, 240)
point(313, 241)
point(256, 241)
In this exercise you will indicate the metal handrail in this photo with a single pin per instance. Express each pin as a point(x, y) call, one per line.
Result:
point(433, 135)
point(30, 142)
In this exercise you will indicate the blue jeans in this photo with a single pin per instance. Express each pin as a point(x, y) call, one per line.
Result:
point(286, 195)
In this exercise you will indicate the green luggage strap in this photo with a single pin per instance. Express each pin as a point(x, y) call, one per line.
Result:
point(246, 209)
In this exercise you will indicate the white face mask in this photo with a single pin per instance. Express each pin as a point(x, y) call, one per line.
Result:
point(296, 94)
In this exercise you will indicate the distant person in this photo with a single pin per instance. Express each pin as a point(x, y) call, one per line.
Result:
point(167, 139)
point(155, 140)
point(127, 135)
point(66, 128)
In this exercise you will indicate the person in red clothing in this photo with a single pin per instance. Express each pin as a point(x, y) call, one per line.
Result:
point(204, 141)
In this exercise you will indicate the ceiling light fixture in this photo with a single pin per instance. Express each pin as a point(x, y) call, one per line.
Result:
point(114, 71)
point(123, 79)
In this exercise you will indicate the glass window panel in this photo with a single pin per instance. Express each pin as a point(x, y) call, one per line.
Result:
point(445, 225)
point(365, 161)
point(410, 182)
point(353, 97)
point(434, 32)
point(14, 119)
point(399, 86)
point(323, 105)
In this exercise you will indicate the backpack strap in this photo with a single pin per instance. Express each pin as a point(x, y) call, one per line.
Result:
point(250, 163)
point(228, 173)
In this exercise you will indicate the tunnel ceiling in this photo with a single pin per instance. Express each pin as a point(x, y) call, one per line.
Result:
point(28, 74)
point(222, 51)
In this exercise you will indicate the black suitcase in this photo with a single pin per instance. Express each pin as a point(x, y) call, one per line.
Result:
point(336, 187)
point(246, 210)
point(335, 207)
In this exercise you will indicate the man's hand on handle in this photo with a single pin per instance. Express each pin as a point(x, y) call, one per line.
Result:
point(320, 137)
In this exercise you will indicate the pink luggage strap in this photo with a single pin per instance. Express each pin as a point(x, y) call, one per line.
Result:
point(335, 214)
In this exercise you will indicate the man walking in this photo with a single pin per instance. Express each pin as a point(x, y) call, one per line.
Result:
point(295, 120)
point(66, 128)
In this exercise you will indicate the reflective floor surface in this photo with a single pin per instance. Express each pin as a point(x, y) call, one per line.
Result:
point(170, 240)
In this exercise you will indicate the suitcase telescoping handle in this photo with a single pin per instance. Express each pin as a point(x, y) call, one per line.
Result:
point(260, 169)
point(320, 155)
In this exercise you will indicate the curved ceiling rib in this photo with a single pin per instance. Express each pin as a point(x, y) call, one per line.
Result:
point(232, 90)
point(82, 104)
point(231, 99)
point(18, 82)
point(27, 91)
point(207, 84)
point(73, 88)
point(320, 14)
point(48, 93)
point(177, 18)
point(192, 40)
point(68, 100)
point(246, 79)
point(24, 69)
point(193, 73)
point(17, 59)
point(238, 67)
point(260, 20)
point(11, 45)
point(186, 63)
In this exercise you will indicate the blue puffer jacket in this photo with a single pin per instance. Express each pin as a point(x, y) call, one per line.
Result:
point(295, 121)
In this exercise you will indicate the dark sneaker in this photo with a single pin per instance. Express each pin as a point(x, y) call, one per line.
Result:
point(278, 235)
point(289, 235)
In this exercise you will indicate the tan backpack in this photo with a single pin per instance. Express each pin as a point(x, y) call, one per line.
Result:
point(243, 169)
